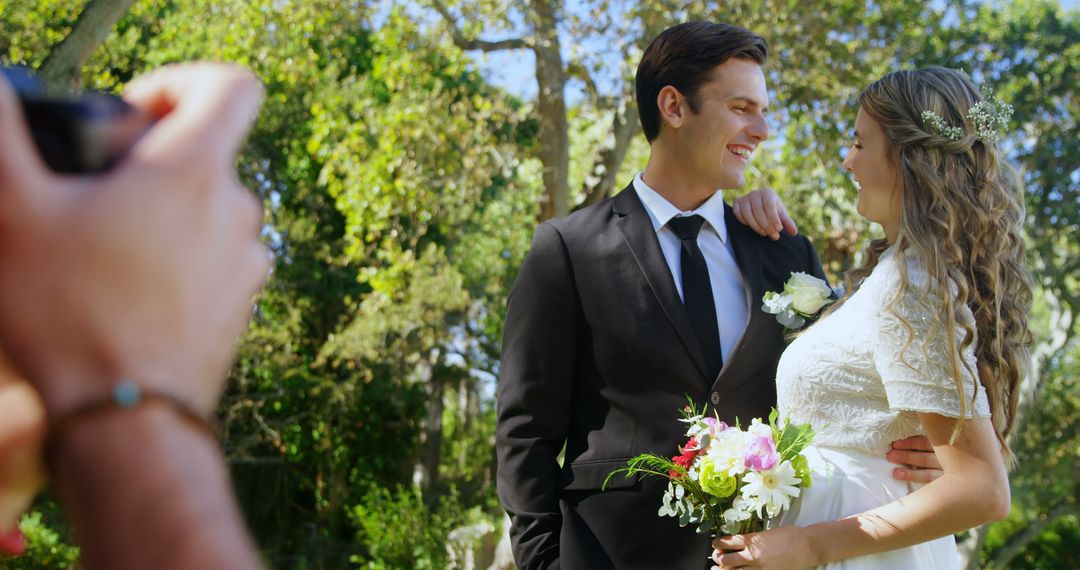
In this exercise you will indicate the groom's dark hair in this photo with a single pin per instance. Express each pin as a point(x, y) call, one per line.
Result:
point(683, 56)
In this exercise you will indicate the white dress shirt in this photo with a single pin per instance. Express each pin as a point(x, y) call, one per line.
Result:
point(728, 287)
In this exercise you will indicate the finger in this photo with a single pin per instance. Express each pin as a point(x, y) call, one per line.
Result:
point(735, 559)
point(732, 542)
point(911, 458)
point(789, 224)
point(12, 541)
point(772, 213)
point(736, 209)
point(917, 442)
point(761, 214)
point(20, 451)
point(261, 260)
point(917, 475)
point(24, 416)
point(749, 217)
point(247, 210)
point(202, 108)
point(21, 167)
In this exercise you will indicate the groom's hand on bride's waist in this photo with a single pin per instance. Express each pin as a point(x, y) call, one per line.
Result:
point(916, 458)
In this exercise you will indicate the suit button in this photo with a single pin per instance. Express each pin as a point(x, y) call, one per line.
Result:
point(715, 398)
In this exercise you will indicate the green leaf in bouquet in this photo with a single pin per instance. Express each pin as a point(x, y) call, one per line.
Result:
point(706, 526)
point(793, 439)
point(645, 464)
point(802, 470)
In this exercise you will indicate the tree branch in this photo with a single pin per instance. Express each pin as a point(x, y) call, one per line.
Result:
point(575, 69)
point(62, 69)
point(473, 44)
point(600, 181)
point(1016, 544)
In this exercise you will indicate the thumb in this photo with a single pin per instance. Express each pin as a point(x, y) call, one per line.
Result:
point(23, 174)
point(789, 224)
point(18, 154)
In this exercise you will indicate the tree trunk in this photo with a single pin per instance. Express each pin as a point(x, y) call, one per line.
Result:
point(62, 69)
point(551, 105)
point(600, 182)
point(433, 429)
point(971, 546)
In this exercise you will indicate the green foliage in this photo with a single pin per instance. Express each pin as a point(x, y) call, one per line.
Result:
point(45, 547)
point(401, 191)
point(397, 529)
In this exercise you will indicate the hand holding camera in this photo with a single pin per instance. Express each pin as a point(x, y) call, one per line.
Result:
point(86, 133)
point(145, 273)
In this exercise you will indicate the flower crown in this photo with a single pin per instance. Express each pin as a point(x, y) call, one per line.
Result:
point(988, 116)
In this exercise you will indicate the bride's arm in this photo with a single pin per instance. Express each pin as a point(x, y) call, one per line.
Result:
point(973, 490)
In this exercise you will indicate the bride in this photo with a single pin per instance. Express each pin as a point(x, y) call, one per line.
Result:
point(931, 338)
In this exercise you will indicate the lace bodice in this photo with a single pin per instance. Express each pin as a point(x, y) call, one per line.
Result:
point(851, 377)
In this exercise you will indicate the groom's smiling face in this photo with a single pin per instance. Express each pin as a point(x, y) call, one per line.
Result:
point(719, 138)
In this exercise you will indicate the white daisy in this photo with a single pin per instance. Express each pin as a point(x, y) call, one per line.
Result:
point(772, 489)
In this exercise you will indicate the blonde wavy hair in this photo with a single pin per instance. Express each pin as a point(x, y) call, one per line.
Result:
point(962, 218)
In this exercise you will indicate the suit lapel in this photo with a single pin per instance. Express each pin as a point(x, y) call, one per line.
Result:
point(747, 248)
point(637, 230)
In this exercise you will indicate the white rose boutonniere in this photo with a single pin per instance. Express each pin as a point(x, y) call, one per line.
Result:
point(804, 295)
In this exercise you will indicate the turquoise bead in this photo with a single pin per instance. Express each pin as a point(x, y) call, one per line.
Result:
point(127, 394)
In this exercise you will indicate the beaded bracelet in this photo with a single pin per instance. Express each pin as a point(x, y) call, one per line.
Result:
point(126, 395)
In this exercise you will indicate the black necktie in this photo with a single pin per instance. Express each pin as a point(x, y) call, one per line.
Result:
point(697, 292)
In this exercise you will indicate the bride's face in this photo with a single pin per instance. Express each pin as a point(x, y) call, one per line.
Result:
point(875, 175)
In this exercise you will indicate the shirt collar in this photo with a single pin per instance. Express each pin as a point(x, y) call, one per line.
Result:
point(661, 211)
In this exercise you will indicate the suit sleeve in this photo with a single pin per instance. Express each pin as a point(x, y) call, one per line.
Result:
point(534, 397)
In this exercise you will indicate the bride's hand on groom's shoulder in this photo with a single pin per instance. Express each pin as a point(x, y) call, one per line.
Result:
point(916, 459)
point(781, 548)
point(764, 212)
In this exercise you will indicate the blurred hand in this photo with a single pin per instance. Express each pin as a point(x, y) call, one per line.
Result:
point(146, 272)
point(763, 211)
point(22, 429)
point(781, 548)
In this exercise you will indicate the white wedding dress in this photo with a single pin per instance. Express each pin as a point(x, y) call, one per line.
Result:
point(852, 378)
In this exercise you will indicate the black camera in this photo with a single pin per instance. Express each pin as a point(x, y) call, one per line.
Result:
point(84, 133)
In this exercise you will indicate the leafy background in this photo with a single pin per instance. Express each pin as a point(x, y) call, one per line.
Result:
point(406, 151)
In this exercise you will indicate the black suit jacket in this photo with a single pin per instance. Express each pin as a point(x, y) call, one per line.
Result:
point(598, 352)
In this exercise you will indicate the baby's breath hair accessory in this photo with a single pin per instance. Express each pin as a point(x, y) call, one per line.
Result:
point(989, 117)
point(938, 126)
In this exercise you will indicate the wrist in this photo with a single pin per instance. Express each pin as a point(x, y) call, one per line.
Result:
point(126, 402)
point(72, 383)
point(815, 543)
point(144, 490)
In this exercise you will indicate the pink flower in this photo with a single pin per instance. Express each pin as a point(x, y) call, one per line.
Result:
point(692, 445)
point(761, 454)
point(715, 426)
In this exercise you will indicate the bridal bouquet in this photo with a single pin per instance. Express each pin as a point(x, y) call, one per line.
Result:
point(727, 480)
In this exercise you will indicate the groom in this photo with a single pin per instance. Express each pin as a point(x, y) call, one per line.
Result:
point(623, 309)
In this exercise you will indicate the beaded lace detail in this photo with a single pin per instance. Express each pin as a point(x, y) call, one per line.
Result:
point(855, 377)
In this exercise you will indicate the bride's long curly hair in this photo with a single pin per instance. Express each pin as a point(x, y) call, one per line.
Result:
point(962, 217)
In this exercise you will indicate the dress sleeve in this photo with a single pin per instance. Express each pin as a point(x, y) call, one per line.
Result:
point(915, 364)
